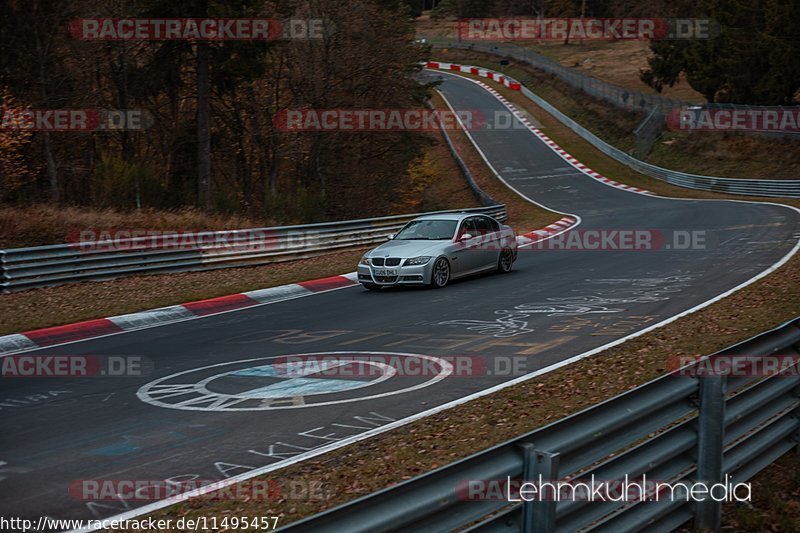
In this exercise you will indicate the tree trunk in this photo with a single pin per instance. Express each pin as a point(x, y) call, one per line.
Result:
point(52, 167)
point(203, 128)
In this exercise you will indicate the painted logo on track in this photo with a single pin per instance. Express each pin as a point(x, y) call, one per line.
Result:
point(269, 383)
point(624, 291)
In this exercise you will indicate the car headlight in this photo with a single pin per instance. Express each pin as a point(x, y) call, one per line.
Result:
point(365, 260)
point(417, 260)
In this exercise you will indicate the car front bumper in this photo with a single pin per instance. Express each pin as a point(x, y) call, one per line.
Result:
point(406, 275)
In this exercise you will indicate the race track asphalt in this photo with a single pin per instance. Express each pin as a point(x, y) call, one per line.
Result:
point(555, 304)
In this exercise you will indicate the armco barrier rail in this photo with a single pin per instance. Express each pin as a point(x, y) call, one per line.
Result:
point(751, 187)
point(675, 428)
point(479, 193)
point(24, 268)
point(620, 97)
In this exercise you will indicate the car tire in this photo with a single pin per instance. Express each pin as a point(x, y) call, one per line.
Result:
point(505, 261)
point(440, 273)
point(371, 286)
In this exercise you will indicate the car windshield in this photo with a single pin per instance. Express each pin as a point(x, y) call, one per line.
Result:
point(427, 230)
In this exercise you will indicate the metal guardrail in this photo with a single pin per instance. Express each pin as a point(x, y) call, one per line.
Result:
point(41, 266)
point(484, 198)
point(672, 429)
point(643, 102)
point(648, 132)
point(752, 187)
point(621, 97)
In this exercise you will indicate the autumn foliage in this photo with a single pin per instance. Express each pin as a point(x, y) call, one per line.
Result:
point(366, 59)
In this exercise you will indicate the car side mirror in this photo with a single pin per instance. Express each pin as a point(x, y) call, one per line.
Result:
point(391, 236)
point(466, 237)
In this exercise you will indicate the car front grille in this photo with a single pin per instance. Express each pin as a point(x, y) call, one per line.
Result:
point(389, 261)
point(385, 279)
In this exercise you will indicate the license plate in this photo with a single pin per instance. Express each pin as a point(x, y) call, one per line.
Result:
point(389, 272)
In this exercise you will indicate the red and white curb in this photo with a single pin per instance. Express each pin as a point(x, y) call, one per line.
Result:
point(511, 83)
point(560, 226)
point(41, 338)
point(536, 131)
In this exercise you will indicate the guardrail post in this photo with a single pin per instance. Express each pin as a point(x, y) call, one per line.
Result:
point(3, 287)
point(711, 434)
point(796, 414)
point(539, 515)
point(796, 435)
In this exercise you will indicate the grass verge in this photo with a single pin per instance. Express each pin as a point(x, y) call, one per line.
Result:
point(53, 306)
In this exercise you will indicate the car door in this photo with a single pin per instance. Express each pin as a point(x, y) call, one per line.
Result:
point(488, 249)
point(465, 258)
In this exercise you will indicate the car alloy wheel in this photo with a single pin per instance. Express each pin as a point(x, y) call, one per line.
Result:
point(506, 261)
point(441, 273)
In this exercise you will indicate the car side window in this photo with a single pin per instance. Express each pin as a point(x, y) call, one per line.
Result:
point(468, 226)
point(493, 224)
point(483, 226)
